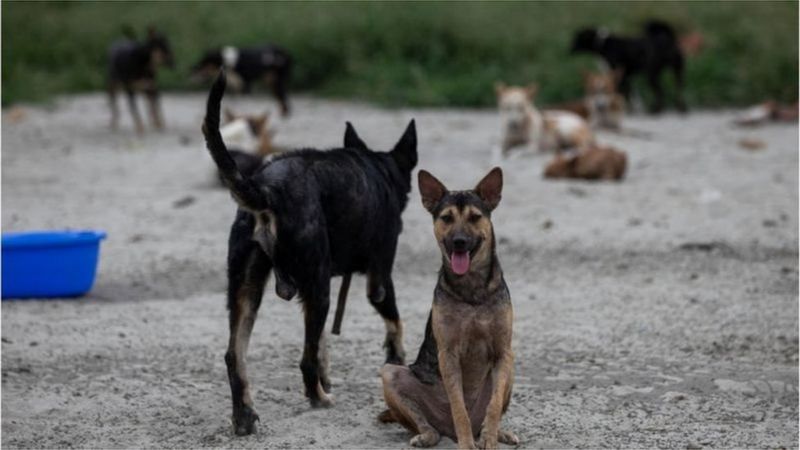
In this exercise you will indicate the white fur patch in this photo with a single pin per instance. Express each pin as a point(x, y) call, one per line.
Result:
point(566, 123)
point(237, 134)
point(230, 56)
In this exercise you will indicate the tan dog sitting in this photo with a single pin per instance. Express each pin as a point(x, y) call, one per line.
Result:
point(460, 385)
point(601, 105)
point(605, 105)
point(248, 132)
point(594, 163)
point(525, 125)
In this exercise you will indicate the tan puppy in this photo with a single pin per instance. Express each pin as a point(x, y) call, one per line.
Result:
point(604, 104)
point(594, 163)
point(249, 131)
point(525, 125)
point(468, 336)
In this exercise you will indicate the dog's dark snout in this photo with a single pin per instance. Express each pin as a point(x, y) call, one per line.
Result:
point(460, 243)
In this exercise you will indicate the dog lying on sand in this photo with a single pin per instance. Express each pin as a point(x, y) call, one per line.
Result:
point(525, 126)
point(306, 216)
point(460, 385)
point(593, 163)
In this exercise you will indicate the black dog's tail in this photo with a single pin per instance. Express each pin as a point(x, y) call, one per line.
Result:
point(247, 193)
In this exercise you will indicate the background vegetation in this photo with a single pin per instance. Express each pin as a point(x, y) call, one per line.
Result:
point(404, 53)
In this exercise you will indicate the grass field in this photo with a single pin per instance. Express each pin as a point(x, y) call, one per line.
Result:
point(433, 54)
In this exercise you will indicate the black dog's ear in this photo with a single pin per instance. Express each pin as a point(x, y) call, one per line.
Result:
point(351, 139)
point(490, 188)
point(152, 32)
point(405, 151)
point(431, 190)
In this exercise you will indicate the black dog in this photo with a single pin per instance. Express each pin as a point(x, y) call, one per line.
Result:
point(132, 66)
point(269, 63)
point(309, 215)
point(658, 49)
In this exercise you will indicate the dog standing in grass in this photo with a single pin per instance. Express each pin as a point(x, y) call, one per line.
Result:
point(306, 216)
point(132, 66)
point(460, 385)
point(525, 126)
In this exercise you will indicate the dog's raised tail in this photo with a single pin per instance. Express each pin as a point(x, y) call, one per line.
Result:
point(245, 191)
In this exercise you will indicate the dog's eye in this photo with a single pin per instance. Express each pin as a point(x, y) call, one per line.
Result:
point(473, 218)
point(447, 218)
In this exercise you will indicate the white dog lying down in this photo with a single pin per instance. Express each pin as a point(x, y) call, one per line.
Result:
point(525, 126)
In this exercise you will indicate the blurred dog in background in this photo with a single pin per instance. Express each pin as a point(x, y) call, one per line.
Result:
point(524, 125)
point(601, 105)
point(245, 66)
point(132, 66)
point(658, 49)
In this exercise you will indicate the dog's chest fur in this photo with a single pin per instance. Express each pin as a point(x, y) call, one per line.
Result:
point(468, 321)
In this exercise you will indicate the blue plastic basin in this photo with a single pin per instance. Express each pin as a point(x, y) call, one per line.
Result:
point(45, 264)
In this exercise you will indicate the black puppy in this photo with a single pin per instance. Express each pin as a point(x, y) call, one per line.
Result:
point(269, 63)
point(658, 49)
point(309, 215)
point(132, 66)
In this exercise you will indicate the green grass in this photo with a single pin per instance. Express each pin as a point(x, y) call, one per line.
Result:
point(431, 54)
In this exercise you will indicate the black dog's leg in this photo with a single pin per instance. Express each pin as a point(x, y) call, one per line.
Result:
point(137, 120)
point(248, 268)
point(154, 104)
point(677, 69)
point(279, 88)
point(654, 78)
point(380, 291)
point(316, 302)
point(112, 103)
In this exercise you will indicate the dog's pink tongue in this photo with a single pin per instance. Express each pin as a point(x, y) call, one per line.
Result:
point(459, 262)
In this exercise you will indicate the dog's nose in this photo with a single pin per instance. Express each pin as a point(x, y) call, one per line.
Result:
point(460, 243)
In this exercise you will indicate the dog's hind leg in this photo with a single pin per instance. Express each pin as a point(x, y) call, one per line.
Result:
point(112, 103)
point(677, 68)
point(248, 268)
point(316, 302)
point(154, 107)
point(137, 120)
point(380, 291)
point(654, 78)
point(402, 391)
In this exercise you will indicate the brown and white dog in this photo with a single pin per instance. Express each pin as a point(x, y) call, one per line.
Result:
point(250, 132)
point(602, 106)
point(593, 163)
point(524, 125)
point(460, 385)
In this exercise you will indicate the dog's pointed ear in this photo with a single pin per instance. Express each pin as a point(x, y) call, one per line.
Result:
point(230, 116)
point(490, 188)
point(531, 90)
point(152, 32)
point(405, 151)
point(499, 88)
point(431, 190)
point(351, 139)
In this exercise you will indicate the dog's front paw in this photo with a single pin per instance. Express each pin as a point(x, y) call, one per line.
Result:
point(426, 439)
point(244, 421)
point(487, 440)
point(507, 437)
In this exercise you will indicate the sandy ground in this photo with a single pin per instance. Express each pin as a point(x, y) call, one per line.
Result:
point(659, 312)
